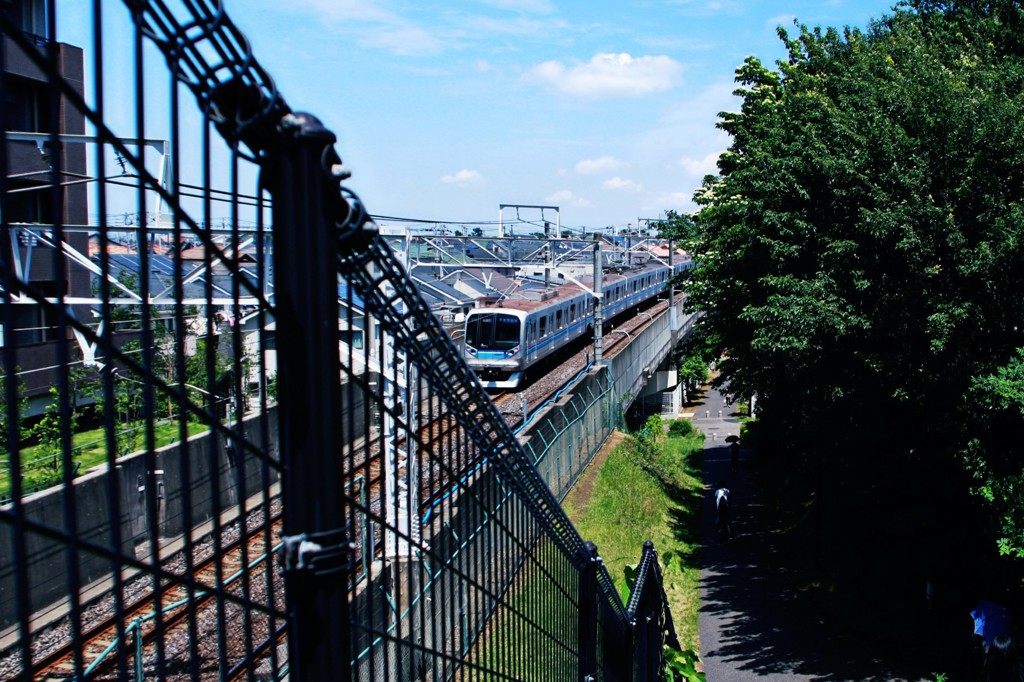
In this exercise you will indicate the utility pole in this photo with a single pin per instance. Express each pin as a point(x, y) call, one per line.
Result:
point(547, 254)
point(673, 320)
point(598, 302)
point(649, 222)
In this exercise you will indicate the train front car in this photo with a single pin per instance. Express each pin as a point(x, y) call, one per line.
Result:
point(495, 346)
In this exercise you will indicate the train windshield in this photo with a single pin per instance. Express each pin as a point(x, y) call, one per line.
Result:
point(492, 331)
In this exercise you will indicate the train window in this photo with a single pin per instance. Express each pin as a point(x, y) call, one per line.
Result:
point(572, 312)
point(558, 319)
point(353, 337)
point(543, 327)
point(493, 331)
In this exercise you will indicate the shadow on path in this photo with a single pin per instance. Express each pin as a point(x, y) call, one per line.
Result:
point(753, 625)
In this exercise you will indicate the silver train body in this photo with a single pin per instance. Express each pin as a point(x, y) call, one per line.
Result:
point(505, 338)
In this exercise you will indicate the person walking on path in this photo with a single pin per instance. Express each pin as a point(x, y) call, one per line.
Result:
point(722, 512)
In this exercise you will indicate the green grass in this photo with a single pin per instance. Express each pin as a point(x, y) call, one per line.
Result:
point(90, 449)
point(534, 638)
point(639, 496)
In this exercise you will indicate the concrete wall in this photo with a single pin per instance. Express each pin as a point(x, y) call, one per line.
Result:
point(638, 362)
point(204, 477)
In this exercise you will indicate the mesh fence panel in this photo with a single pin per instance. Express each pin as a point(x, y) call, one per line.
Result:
point(254, 368)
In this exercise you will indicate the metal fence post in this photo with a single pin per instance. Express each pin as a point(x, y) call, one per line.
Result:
point(588, 613)
point(306, 209)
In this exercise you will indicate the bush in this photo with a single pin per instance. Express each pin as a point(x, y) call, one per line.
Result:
point(654, 428)
point(680, 428)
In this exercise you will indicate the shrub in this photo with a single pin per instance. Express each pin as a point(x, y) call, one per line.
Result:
point(654, 428)
point(680, 428)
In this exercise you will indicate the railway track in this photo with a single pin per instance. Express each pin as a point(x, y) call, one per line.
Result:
point(239, 568)
point(222, 630)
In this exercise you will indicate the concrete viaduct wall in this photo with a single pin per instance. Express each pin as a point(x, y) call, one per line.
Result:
point(637, 363)
point(564, 436)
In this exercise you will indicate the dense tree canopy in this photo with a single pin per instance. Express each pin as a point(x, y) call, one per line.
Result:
point(861, 265)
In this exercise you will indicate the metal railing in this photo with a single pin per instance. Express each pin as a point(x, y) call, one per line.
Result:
point(417, 538)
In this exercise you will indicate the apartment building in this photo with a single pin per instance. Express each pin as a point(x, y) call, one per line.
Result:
point(34, 198)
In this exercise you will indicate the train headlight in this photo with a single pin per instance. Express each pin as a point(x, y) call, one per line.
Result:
point(471, 351)
point(513, 352)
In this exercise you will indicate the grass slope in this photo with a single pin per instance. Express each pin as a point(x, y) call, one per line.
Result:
point(649, 489)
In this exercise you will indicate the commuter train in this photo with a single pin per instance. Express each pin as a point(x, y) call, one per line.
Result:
point(505, 337)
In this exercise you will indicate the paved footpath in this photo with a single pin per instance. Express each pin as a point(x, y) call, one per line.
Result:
point(751, 628)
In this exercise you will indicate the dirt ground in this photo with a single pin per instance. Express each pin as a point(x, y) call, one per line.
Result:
point(577, 499)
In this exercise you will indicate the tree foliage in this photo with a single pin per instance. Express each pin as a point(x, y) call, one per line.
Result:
point(13, 414)
point(860, 262)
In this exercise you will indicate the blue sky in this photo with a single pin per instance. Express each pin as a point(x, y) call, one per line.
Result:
point(443, 111)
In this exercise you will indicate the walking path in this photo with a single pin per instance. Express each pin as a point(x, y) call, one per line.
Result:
point(751, 625)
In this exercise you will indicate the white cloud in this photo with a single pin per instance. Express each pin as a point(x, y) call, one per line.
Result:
point(566, 198)
point(347, 10)
point(676, 201)
point(534, 6)
point(524, 27)
point(609, 76)
point(375, 25)
point(700, 167)
point(403, 39)
point(483, 66)
point(622, 183)
point(605, 163)
point(464, 178)
point(781, 20)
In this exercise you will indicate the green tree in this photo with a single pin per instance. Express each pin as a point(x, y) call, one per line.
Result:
point(859, 262)
point(197, 374)
point(20, 409)
point(994, 453)
point(127, 403)
point(693, 371)
point(49, 429)
point(679, 227)
point(124, 316)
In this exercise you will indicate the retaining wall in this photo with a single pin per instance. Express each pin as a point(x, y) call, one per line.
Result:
point(203, 473)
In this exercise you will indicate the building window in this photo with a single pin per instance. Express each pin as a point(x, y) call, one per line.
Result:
point(46, 315)
point(352, 337)
point(31, 206)
point(26, 105)
point(30, 15)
